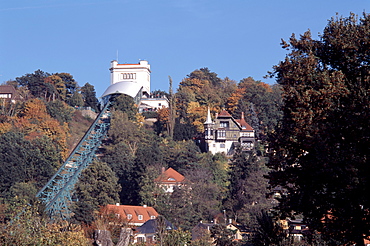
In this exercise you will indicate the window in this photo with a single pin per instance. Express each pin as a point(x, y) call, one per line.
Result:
point(224, 124)
point(152, 217)
point(129, 216)
point(222, 145)
point(221, 134)
point(129, 76)
point(140, 217)
point(140, 239)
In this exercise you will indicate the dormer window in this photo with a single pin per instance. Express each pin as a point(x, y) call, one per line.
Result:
point(129, 216)
point(171, 179)
point(224, 124)
point(152, 217)
point(140, 217)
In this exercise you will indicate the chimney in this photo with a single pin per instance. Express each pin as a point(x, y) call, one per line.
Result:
point(117, 204)
point(216, 116)
point(144, 206)
point(243, 115)
point(162, 169)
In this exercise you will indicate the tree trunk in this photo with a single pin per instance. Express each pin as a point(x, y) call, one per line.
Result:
point(102, 238)
point(124, 237)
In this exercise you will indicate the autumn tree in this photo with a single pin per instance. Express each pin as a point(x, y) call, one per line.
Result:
point(321, 147)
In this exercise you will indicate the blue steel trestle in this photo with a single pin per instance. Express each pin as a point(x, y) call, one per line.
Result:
point(57, 193)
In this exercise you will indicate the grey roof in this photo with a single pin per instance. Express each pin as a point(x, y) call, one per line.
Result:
point(150, 226)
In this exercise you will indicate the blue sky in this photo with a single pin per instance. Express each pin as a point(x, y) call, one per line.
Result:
point(234, 38)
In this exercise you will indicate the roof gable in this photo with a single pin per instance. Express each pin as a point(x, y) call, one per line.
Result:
point(170, 176)
point(224, 113)
point(133, 214)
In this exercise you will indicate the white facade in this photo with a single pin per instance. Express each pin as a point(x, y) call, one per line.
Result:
point(152, 104)
point(135, 75)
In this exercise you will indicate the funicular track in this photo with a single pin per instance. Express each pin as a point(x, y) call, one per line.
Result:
point(57, 194)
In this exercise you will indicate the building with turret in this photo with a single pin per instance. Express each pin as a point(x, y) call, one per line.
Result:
point(224, 134)
point(129, 79)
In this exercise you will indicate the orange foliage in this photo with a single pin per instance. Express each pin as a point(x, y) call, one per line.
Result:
point(35, 122)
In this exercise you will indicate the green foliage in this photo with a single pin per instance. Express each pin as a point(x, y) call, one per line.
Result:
point(30, 228)
point(248, 187)
point(268, 231)
point(89, 96)
point(60, 111)
point(177, 238)
point(97, 186)
point(125, 104)
point(222, 236)
point(23, 161)
point(34, 82)
point(321, 146)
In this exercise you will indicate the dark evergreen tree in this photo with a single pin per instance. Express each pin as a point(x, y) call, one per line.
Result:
point(89, 96)
point(248, 187)
point(35, 82)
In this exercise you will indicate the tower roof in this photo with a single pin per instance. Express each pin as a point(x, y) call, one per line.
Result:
point(209, 119)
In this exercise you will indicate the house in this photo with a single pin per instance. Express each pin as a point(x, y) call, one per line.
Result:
point(297, 229)
point(225, 133)
point(135, 215)
point(152, 103)
point(170, 179)
point(9, 93)
point(241, 232)
point(147, 233)
point(201, 230)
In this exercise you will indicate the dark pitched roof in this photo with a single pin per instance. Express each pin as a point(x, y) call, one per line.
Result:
point(151, 227)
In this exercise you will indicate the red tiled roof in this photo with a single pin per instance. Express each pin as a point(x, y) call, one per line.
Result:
point(224, 113)
point(135, 211)
point(170, 176)
point(245, 126)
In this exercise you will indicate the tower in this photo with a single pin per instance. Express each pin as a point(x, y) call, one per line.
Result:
point(208, 130)
point(133, 75)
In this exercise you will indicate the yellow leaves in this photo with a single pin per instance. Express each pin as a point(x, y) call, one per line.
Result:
point(233, 101)
point(35, 122)
point(140, 119)
point(5, 127)
point(197, 114)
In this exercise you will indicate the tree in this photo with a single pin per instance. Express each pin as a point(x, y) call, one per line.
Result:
point(125, 104)
point(321, 146)
point(89, 96)
point(25, 163)
point(222, 236)
point(96, 187)
point(34, 82)
point(248, 187)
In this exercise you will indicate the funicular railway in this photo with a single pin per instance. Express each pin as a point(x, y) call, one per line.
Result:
point(57, 194)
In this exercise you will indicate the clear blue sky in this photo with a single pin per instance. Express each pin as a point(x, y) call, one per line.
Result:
point(233, 38)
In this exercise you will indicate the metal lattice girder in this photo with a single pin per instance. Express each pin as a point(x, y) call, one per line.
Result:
point(57, 193)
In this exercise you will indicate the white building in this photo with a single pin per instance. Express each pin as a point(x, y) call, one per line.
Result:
point(129, 79)
point(225, 133)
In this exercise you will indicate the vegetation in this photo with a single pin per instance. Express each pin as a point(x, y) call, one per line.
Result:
point(321, 146)
point(314, 122)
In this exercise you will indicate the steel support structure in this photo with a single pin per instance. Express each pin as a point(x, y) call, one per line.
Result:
point(56, 195)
